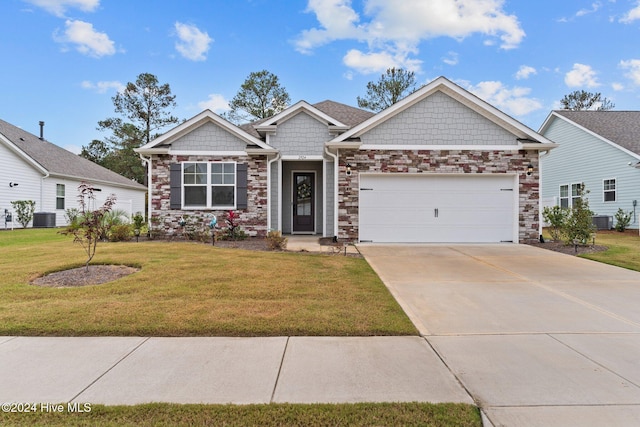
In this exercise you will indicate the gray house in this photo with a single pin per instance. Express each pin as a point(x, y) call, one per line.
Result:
point(600, 149)
point(32, 168)
point(439, 166)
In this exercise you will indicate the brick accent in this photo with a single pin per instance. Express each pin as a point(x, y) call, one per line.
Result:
point(439, 161)
point(253, 220)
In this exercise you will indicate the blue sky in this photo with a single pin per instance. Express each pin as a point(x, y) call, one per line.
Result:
point(63, 60)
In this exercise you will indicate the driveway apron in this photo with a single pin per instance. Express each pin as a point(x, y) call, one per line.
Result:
point(538, 338)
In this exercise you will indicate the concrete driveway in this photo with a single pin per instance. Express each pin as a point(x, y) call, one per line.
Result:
point(538, 338)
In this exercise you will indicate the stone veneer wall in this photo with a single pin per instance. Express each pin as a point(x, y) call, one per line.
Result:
point(253, 220)
point(439, 161)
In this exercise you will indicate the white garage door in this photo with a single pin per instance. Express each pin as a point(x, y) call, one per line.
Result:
point(434, 208)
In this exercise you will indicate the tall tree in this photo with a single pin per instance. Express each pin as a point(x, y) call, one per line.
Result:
point(144, 106)
point(390, 88)
point(259, 97)
point(581, 100)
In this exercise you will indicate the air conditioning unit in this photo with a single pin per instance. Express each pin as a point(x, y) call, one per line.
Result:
point(44, 220)
point(603, 222)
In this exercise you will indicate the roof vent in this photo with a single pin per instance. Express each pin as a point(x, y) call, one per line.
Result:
point(41, 130)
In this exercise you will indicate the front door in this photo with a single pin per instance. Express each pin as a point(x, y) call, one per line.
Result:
point(303, 202)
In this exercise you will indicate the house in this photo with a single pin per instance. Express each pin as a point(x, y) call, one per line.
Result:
point(441, 165)
point(600, 149)
point(32, 168)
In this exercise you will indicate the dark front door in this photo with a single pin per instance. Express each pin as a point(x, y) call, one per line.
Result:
point(303, 202)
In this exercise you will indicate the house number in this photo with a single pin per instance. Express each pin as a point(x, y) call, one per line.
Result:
point(302, 157)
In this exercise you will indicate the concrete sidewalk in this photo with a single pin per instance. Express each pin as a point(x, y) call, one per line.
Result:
point(132, 370)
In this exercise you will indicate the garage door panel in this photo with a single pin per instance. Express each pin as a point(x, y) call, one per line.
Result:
point(437, 208)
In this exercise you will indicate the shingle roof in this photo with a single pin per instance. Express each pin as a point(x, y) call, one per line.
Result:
point(58, 161)
point(620, 127)
point(346, 114)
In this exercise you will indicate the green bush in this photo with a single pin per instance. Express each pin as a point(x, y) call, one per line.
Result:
point(578, 227)
point(120, 233)
point(623, 219)
point(555, 217)
point(24, 211)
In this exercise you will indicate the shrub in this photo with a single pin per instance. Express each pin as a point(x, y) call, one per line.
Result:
point(623, 219)
point(579, 228)
point(275, 241)
point(24, 211)
point(120, 233)
point(555, 217)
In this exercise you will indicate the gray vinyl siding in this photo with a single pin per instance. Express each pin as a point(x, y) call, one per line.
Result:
point(438, 120)
point(582, 157)
point(209, 137)
point(300, 135)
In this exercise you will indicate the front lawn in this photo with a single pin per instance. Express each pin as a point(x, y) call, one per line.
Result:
point(191, 289)
point(624, 249)
point(361, 414)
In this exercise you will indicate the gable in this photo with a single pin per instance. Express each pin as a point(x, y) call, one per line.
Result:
point(209, 137)
point(301, 134)
point(438, 120)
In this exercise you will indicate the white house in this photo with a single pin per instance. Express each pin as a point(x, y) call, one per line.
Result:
point(600, 149)
point(32, 168)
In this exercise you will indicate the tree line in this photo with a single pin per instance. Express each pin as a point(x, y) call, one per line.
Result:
point(144, 109)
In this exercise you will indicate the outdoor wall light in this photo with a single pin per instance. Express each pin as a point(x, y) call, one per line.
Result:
point(348, 169)
point(529, 169)
point(13, 184)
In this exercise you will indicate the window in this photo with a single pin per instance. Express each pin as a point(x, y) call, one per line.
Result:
point(576, 190)
point(609, 189)
point(564, 196)
point(59, 196)
point(209, 185)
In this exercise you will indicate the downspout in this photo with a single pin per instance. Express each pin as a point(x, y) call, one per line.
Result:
point(148, 163)
point(269, 185)
point(335, 189)
point(540, 220)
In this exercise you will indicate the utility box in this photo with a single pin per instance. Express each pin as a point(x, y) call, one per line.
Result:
point(603, 222)
point(44, 220)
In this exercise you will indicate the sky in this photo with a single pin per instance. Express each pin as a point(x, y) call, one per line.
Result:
point(64, 60)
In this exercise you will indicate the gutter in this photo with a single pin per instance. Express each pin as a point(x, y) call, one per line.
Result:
point(269, 185)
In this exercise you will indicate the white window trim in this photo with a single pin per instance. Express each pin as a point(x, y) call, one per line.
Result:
point(615, 190)
point(63, 197)
point(571, 196)
point(209, 186)
point(568, 195)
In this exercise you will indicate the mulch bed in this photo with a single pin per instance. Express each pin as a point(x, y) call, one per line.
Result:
point(96, 275)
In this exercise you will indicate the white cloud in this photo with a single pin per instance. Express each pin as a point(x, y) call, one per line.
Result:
point(376, 62)
point(633, 65)
point(193, 44)
point(632, 15)
point(451, 58)
point(215, 103)
point(88, 41)
point(59, 7)
point(103, 86)
point(396, 27)
point(525, 72)
point(594, 8)
point(617, 86)
point(512, 101)
point(581, 76)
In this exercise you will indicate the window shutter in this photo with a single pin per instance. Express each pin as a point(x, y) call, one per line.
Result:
point(241, 185)
point(175, 183)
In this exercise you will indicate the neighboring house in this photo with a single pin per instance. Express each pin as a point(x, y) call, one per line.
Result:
point(33, 169)
point(441, 165)
point(600, 149)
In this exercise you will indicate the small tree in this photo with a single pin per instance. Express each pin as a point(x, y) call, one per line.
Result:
point(555, 217)
point(623, 219)
point(24, 211)
point(88, 226)
point(390, 88)
point(580, 100)
point(579, 228)
point(259, 97)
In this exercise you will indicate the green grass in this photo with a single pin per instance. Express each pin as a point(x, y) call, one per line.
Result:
point(624, 249)
point(363, 414)
point(191, 289)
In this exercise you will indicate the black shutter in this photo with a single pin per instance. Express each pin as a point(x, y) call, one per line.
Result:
point(241, 185)
point(175, 183)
